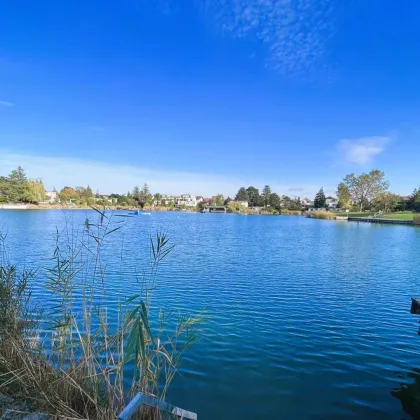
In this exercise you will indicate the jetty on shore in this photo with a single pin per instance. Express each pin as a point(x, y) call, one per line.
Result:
point(380, 220)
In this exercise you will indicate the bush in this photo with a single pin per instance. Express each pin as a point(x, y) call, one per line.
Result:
point(320, 214)
point(416, 219)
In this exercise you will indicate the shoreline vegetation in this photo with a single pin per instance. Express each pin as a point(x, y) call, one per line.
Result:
point(71, 359)
point(365, 195)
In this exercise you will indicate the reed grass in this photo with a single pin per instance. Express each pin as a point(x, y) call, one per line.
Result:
point(416, 219)
point(75, 361)
point(320, 214)
point(291, 212)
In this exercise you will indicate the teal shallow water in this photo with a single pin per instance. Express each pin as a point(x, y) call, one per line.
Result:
point(309, 319)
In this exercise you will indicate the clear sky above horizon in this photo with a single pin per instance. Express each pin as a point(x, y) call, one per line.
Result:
point(207, 96)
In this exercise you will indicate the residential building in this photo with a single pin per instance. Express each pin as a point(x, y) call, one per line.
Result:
point(241, 203)
point(51, 198)
point(187, 200)
point(306, 202)
point(108, 199)
point(332, 203)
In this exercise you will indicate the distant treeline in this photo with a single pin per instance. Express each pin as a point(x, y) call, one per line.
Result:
point(367, 191)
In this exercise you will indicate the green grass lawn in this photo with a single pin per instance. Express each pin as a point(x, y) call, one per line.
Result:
point(403, 215)
point(399, 216)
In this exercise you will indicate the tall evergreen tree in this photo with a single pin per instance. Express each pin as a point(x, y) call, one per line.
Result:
point(242, 195)
point(266, 195)
point(320, 200)
point(275, 201)
point(414, 203)
point(254, 197)
point(17, 185)
point(136, 193)
point(145, 196)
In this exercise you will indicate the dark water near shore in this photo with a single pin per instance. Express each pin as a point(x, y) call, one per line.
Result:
point(309, 319)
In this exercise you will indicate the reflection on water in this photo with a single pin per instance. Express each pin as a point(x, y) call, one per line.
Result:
point(409, 394)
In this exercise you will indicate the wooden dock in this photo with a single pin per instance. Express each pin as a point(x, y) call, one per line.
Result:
point(380, 220)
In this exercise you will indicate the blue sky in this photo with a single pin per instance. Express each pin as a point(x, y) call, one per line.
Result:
point(206, 96)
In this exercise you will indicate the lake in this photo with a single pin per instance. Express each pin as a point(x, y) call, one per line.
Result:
point(308, 319)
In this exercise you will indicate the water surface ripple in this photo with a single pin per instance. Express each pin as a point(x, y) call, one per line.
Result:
point(309, 319)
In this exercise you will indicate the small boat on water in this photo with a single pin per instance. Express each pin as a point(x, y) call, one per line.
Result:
point(138, 212)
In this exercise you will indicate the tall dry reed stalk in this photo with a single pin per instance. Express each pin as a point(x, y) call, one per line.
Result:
point(75, 361)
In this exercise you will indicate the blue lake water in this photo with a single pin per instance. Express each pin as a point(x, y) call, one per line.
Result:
point(309, 319)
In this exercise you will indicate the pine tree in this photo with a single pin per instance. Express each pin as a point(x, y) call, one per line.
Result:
point(17, 185)
point(266, 195)
point(136, 193)
point(320, 200)
point(145, 196)
point(254, 197)
point(242, 195)
point(89, 192)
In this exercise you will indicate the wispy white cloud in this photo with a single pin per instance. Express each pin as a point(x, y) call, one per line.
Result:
point(361, 151)
point(111, 177)
point(6, 103)
point(295, 31)
point(97, 128)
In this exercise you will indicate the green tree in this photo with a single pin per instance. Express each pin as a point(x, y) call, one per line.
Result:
point(366, 188)
point(295, 204)
point(136, 193)
point(275, 201)
point(218, 201)
point(67, 194)
point(4, 189)
point(35, 192)
point(85, 194)
point(145, 197)
point(266, 195)
point(236, 207)
point(157, 198)
point(414, 203)
point(320, 200)
point(242, 195)
point(254, 198)
point(88, 192)
point(344, 196)
point(17, 185)
point(387, 202)
point(227, 201)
